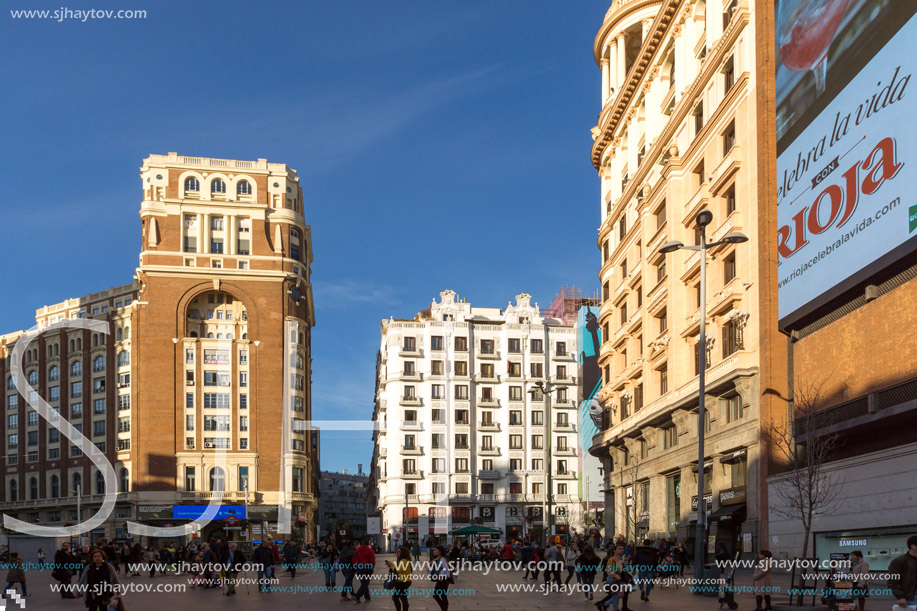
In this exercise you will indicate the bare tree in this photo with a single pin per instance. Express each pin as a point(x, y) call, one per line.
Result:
point(801, 445)
point(628, 478)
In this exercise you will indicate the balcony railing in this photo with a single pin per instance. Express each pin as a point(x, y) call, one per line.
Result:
point(489, 451)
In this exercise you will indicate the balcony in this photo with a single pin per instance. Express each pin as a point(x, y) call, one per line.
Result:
point(566, 475)
point(492, 354)
point(566, 356)
point(510, 498)
point(462, 498)
point(489, 451)
point(486, 498)
point(489, 426)
point(565, 427)
point(565, 404)
point(383, 451)
point(489, 402)
point(488, 474)
point(411, 425)
point(206, 496)
point(568, 451)
point(411, 352)
point(411, 401)
point(412, 450)
point(412, 474)
point(489, 377)
point(413, 376)
point(565, 379)
point(697, 201)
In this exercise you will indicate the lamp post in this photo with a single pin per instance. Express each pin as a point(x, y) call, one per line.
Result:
point(704, 218)
point(548, 496)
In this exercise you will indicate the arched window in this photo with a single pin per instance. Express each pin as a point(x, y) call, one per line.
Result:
point(124, 358)
point(218, 186)
point(33, 489)
point(119, 334)
point(194, 334)
point(77, 484)
point(124, 484)
point(76, 369)
point(100, 483)
point(244, 188)
point(192, 184)
point(219, 336)
point(54, 374)
point(72, 344)
point(98, 363)
point(210, 336)
point(127, 332)
point(217, 480)
point(55, 487)
point(14, 491)
point(33, 378)
point(56, 350)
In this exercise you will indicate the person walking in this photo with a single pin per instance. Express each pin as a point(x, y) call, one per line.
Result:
point(441, 577)
point(345, 563)
point(552, 558)
point(41, 558)
point(150, 556)
point(63, 569)
point(328, 558)
point(365, 563)
point(233, 562)
point(587, 566)
point(612, 574)
point(859, 568)
point(572, 554)
point(15, 574)
point(98, 577)
point(527, 555)
point(902, 580)
point(263, 558)
point(291, 553)
point(646, 564)
point(415, 550)
point(402, 570)
point(762, 580)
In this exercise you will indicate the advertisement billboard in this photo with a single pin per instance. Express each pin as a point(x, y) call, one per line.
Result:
point(589, 342)
point(845, 205)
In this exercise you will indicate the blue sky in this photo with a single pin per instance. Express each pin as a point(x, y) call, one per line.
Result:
point(440, 145)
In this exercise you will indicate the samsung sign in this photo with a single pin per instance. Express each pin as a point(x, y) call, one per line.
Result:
point(852, 543)
point(846, 194)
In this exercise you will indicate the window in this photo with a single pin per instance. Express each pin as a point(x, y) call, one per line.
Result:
point(698, 118)
point(624, 312)
point(537, 346)
point(33, 378)
point(730, 197)
point(461, 344)
point(660, 270)
point(243, 187)
point(98, 428)
point(515, 345)
point(217, 479)
point(98, 385)
point(515, 442)
point(729, 138)
point(730, 339)
point(12, 402)
point(515, 393)
point(76, 409)
point(190, 479)
point(734, 409)
point(515, 488)
point(515, 417)
point(98, 406)
point(124, 425)
point(537, 370)
point(461, 441)
point(515, 370)
point(561, 372)
point(436, 368)
point(438, 391)
point(663, 319)
point(622, 227)
point(218, 186)
point(537, 418)
point(461, 392)
point(515, 464)
point(638, 397)
point(124, 358)
point(461, 465)
point(189, 422)
point(439, 441)
point(669, 437)
point(436, 342)
point(410, 344)
point(216, 401)
point(729, 268)
point(408, 466)
point(461, 368)
point(192, 185)
point(54, 393)
point(54, 374)
point(538, 442)
point(98, 364)
point(243, 401)
point(487, 346)
point(660, 216)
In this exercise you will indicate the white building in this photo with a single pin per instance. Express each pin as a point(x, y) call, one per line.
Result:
point(466, 434)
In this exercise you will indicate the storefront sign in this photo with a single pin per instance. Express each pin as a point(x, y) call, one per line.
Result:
point(155, 512)
point(732, 496)
point(193, 512)
point(488, 514)
point(852, 543)
point(708, 501)
point(747, 543)
point(372, 526)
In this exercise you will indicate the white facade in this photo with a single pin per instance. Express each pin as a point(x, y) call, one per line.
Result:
point(464, 432)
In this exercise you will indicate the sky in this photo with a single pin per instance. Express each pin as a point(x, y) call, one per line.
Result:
point(439, 145)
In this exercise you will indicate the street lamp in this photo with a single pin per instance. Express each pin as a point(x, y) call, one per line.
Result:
point(548, 493)
point(704, 218)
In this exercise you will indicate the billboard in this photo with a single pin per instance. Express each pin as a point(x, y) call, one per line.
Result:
point(845, 136)
point(588, 342)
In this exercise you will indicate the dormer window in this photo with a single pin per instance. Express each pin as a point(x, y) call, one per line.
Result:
point(192, 185)
point(218, 186)
point(244, 188)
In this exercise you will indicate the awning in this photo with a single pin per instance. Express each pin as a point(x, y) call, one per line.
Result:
point(727, 512)
point(708, 464)
point(643, 524)
point(734, 457)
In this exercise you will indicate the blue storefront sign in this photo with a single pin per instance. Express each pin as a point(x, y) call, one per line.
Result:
point(193, 512)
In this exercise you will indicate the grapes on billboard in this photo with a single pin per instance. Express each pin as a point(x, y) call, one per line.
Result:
point(845, 139)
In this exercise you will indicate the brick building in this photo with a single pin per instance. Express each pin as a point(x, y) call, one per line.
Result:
point(206, 349)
